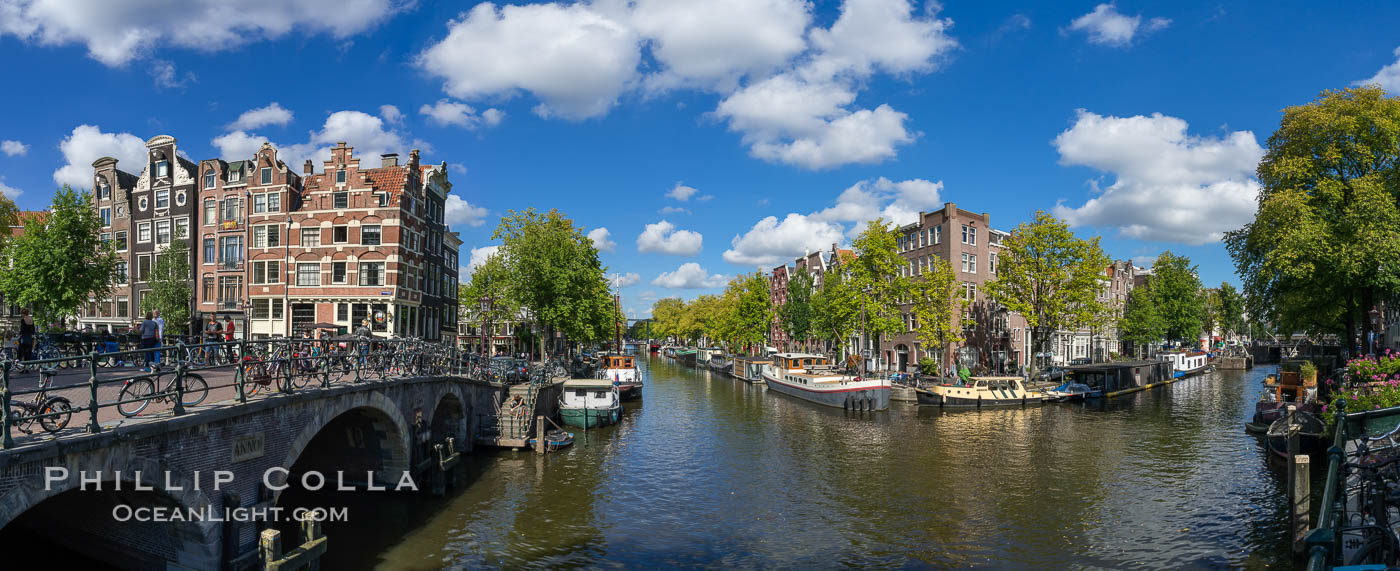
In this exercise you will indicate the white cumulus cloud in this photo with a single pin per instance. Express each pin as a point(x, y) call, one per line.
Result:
point(458, 211)
point(118, 32)
point(369, 135)
point(602, 239)
point(713, 44)
point(673, 210)
point(1388, 77)
point(7, 190)
point(391, 114)
point(13, 148)
point(1106, 26)
point(239, 145)
point(663, 237)
point(87, 143)
point(623, 280)
point(448, 112)
point(681, 192)
point(575, 60)
point(479, 256)
point(689, 276)
point(1169, 185)
point(272, 114)
point(774, 240)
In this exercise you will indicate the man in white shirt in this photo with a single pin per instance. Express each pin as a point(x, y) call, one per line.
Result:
point(160, 333)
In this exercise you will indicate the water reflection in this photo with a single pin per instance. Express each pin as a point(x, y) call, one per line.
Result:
point(711, 471)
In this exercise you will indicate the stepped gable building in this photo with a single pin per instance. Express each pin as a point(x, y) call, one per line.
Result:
point(142, 216)
point(816, 264)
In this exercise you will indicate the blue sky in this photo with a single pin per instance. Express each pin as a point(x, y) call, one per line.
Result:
point(682, 128)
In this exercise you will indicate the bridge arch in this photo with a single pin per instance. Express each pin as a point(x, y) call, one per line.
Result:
point(99, 519)
point(450, 418)
point(365, 432)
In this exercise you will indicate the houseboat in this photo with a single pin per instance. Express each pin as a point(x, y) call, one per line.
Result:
point(1186, 363)
point(979, 392)
point(719, 363)
point(813, 378)
point(586, 403)
point(1071, 391)
point(622, 370)
point(1120, 377)
point(686, 356)
point(749, 369)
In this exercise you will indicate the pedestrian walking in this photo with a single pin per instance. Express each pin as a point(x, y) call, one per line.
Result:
point(160, 332)
point(228, 337)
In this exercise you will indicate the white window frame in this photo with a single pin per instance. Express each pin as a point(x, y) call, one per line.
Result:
point(143, 229)
point(266, 174)
point(316, 232)
point(168, 229)
point(299, 274)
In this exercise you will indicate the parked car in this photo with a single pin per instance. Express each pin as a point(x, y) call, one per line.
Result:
point(510, 370)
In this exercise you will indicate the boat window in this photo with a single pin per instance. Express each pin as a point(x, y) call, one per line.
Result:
point(581, 393)
point(1013, 385)
point(981, 383)
point(807, 362)
point(600, 394)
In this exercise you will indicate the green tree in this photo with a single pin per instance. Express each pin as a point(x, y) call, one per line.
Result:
point(1141, 324)
point(553, 271)
point(171, 291)
point(1230, 306)
point(796, 313)
point(666, 315)
point(489, 287)
point(1322, 249)
point(936, 306)
point(835, 306)
point(877, 282)
point(1178, 298)
point(1049, 276)
point(754, 312)
point(9, 217)
point(59, 261)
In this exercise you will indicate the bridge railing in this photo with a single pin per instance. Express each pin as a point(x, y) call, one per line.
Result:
point(46, 395)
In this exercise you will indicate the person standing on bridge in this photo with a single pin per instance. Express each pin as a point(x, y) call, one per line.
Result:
point(228, 337)
point(160, 332)
point(24, 347)
point(149, 331)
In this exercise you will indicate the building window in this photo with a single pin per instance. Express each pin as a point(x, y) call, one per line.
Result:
point(340, 234)
point(180, 198)
point(310, 237)
point(162, 168)
point(383, 199)
point(208, 288)
point(369, 235)
point(342, 311)
point(341, 200)
point(230, 291)
point(267, 272)
point(209, 255)
point(274, 202)
point(992, 264)
point(182, 228)
point(371, 273)
point(121, 272)
point(340, 176)
point(141, 204)
point(231, 247)
point(121, 240)
point(938, 234)
point(233, 209)
point(163, 232)
point(969, 235)
point(259, 203)
point(267, 308)
point(233, 176)
point(162, 199)
point(106, 215)
point(103, 189)
point(211, 211)
point(143, 267)
point(969, 263)
point(266, 236)
point(143, 232)
point(209, 179)
point(266, 175)
point(338, 272)
point(309, 274)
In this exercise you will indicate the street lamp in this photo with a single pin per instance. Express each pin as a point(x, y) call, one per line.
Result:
point(1375, 329)
point(485, 324)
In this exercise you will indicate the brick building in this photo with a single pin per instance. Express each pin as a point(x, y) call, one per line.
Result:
point(777, 295)
point(814, 263)
point(277, 251)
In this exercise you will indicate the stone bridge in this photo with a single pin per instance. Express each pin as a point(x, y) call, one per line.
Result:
point(206, 464)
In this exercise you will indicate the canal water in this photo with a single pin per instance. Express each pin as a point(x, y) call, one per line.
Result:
point(710, 471)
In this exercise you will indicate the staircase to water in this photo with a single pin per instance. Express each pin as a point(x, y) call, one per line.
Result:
point(510, 426)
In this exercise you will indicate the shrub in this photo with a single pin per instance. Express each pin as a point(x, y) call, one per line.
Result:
point(928, 366)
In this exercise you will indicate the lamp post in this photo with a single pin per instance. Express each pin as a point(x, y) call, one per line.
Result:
point(1375, 314)
point(485, 325)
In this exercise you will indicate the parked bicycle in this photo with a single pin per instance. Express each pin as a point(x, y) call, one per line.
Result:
point(51, 413)
point(137, 393)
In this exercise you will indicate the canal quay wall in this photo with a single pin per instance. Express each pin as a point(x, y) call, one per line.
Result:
point(228, 457)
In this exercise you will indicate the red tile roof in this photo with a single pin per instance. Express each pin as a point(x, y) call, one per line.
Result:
point(393, 179)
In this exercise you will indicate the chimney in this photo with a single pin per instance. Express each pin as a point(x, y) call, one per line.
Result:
point(389, 160)
point(307, 167)
point(413, 159)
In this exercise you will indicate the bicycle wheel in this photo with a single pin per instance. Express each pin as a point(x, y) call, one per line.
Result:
point(17, 411)
point(251, 379)
point(1379, 550)
point(135, 396)
point(195, 390)
point(59, 406)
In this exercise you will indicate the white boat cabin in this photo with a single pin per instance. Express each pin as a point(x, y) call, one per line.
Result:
point(1186, 361)
point(593, 393)
point(804, 369)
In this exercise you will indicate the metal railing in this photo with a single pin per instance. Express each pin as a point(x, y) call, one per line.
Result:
point(1324, 542)
point(124, 382)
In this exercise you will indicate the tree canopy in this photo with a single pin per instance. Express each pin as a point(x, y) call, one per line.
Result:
point(1049, 276)
point(1141, 324)
point(170, 285)
point(936, 306)
point(795, 315)
point(59, 261)
point(553, 270)
point(1177, 291)
point(1322, 249)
